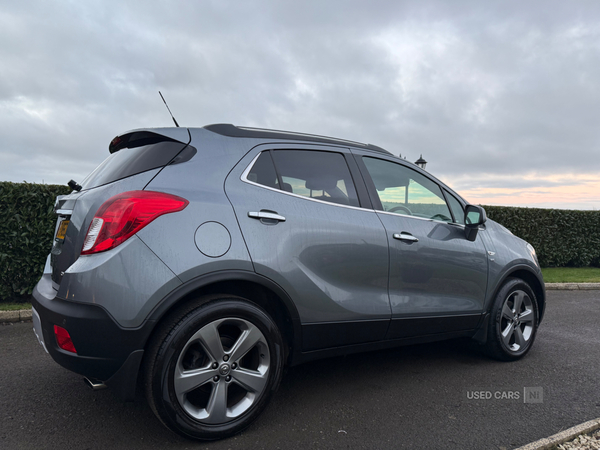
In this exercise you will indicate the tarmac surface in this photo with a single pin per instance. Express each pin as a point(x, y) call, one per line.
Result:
point(435, 396)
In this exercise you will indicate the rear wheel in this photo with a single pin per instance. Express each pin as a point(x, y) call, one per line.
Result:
point(513, 321)
point(213, 367)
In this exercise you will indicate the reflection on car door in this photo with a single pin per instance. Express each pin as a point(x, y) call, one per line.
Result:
point(311, 237)
point(437, 277)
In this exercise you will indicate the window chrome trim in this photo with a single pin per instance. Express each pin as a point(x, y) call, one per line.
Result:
point(244, 178)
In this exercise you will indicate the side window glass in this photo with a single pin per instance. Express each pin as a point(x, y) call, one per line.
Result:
point(405, 191)
point(318, 175)
point(456, 207)
point(263, 171)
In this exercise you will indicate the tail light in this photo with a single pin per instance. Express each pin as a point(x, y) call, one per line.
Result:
point(123, 215)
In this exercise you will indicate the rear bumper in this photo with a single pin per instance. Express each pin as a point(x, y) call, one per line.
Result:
point(105, 351)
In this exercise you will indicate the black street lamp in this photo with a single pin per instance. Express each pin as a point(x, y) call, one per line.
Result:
point(421, 162)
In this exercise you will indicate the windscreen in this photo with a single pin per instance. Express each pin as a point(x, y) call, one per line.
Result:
point(134, 159)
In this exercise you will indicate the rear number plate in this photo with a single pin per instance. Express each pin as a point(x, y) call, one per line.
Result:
point(62, 230)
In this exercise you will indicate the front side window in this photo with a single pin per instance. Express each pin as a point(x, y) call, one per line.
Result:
point(456, 207)
point(405, 191)
point(313, 174)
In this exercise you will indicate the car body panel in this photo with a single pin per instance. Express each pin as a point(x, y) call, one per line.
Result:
point(510, 255)
point(441, 273)
point(204, 175)
point(438, 278)
point(79, 208)
point(331, 259)
point(114, 279)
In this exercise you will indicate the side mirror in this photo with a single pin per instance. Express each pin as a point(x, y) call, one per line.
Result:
point(474, 216)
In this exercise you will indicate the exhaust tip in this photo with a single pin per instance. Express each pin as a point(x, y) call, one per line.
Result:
point(96, 385)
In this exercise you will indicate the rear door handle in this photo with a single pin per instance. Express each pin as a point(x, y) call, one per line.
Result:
point(405, 237)
point(266, 215)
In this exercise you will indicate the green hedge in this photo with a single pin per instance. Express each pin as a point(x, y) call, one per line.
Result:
point(27, 224)
point(561, 237)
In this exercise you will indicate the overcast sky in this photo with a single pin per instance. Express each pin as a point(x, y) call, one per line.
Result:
point(502, 98)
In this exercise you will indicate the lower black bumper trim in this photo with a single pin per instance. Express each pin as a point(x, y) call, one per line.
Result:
point(105, 351)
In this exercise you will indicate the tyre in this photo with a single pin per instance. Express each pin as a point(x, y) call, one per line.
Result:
point(513, 321)
point(213, 367)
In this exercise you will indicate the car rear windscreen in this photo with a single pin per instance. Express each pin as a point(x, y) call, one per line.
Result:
point(150, 152)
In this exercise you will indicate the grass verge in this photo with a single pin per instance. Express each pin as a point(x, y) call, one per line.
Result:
point(571, 274)
point(14, 306)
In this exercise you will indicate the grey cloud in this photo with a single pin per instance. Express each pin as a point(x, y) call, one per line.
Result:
point(476, 87)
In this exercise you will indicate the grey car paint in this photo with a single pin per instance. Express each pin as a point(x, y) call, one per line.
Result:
point(331, 259)
point(79, 208)
point(442, 272)
point(131, 294)
point(112, 276)
point(128, 294)
point(203, 188)
point(439, 271)
point(317, 280)
point(506, 254)
point(510, 255)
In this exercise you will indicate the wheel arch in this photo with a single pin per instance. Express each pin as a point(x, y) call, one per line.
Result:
point(249, 285)
point(532, 279)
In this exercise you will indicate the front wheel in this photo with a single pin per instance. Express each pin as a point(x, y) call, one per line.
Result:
point(213, 367)
point(513, 321)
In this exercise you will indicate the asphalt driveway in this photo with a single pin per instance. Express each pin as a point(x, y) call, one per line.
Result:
point(434, 396)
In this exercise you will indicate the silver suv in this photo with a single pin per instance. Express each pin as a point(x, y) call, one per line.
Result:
point(196, 263)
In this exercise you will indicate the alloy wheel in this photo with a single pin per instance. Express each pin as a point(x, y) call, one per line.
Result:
point(517, 320)
point(222, 370)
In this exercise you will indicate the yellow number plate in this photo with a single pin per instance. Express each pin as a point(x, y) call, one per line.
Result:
point(62, 230)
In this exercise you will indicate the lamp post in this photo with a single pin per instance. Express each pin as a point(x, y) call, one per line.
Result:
point(421, 162)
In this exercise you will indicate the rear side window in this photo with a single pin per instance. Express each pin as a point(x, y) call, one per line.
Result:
point(263, 171)
point(132, 160)
point(313, 174)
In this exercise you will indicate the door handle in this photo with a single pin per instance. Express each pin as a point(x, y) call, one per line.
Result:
point(405, 237)
point(266, 215)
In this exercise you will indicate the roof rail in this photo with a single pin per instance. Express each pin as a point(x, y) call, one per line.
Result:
point(227, 129)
